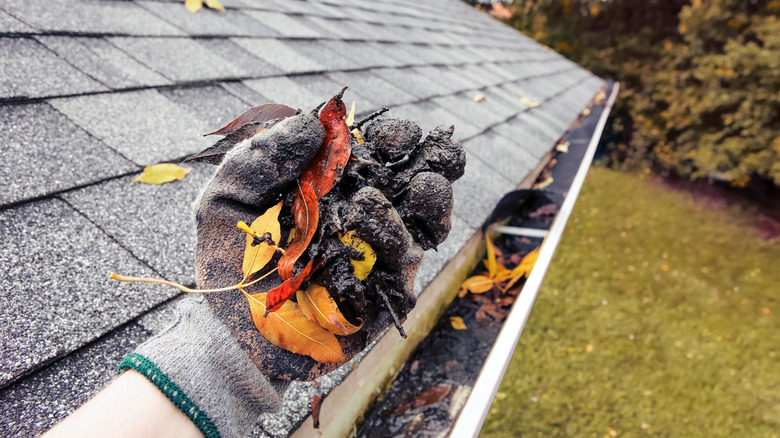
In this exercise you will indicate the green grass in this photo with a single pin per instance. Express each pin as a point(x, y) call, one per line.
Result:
point(680, 305)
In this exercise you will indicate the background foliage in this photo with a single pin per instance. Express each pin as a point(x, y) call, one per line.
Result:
point(700, 81)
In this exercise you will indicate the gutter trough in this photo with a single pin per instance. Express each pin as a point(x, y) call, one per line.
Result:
point(479, 402)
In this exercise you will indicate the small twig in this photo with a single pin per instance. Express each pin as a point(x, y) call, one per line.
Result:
point(370, 117)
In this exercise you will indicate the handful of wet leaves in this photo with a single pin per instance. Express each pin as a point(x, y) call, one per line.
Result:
point(340, 235)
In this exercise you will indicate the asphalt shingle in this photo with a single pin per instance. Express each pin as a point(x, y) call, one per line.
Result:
point(285, 25)
point(213, 105)
point(156, 223)
point(44, 152)
point(504, 156)
point(287, 91)
point(430, 115)
point(51, 251)
point(143, 126)
point(240, 57)
point(102, 61)
point(279, 54)
point(206, 22)
point(26, 71)
point(9, 24)
point(89, 17)
point(32, 406)
point(179, 59)
point(478, 191)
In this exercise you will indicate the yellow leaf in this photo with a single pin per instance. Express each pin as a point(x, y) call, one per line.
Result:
point(317, 304)
point(530, 103)
point(362, 267)
point(289, 328)
point(586, 111)
point(477, 284)
point(214, 4)
point(503, 274)
point(351, 117)
point(480, 97)
point(162, 173)
point(543, 184)
point(562, 147)
point(457, 323)
point(256, 257)
point(490, 263)
point(524, 268)
point(193, 5)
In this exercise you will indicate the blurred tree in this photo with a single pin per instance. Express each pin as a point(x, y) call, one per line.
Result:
point(700, 80)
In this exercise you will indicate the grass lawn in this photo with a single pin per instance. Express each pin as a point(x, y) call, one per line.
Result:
point(658, 316)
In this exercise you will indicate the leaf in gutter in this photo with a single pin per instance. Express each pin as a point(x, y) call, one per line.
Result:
point(562, 147)
point(542, 184)
point(477, 284)
point(289, 328)
point(257, 256)
point(530, 103)
point(457, 323)
point(524, 268)
point(490, 263)
point(317, 304)
point(162, 173)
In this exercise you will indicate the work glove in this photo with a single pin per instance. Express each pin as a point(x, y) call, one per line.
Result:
point(394, 194)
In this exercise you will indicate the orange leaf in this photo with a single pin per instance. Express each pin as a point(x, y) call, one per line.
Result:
point(289, 328)
point(477, 284)
point(306, 213)
point(317, 303)
point(257, 256)
point(524, 268)
point(278, 295)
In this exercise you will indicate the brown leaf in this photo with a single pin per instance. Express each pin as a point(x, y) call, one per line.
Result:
point(257, 256)
point(267, 115)
point(327, 166)
point(317, 304)
point(289, 328)
point(162, 173)
point(432, 395)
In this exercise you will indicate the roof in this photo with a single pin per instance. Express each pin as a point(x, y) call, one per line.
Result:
point(93, 91)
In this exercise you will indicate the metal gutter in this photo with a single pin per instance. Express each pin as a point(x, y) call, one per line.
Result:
point(486, 386)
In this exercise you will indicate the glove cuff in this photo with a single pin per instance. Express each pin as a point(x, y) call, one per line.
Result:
point(204, 372)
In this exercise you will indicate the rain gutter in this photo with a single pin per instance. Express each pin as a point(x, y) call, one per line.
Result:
point(479, 402)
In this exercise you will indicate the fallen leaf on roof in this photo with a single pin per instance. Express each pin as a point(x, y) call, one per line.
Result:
point(479, 97)
point(162, 173)
point(457, 323)
point(562, 147)
point(317, 304)
point(256, 256)
point(289, 328)
point(195, 5)
point(530, 103)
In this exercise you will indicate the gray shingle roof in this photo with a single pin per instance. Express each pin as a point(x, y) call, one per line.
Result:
point(92, 91)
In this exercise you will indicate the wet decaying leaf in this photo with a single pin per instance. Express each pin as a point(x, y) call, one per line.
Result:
point(306, 214)
point(278, 295)
point(256, 256)
point(316, 303)
point(361, 267)
point(289, 328)
point(162, 173)
point(433, 395)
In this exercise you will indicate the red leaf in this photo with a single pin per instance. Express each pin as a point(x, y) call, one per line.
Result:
point(306, 214)
point(315, 411)
point(327, 166)
point(269, 112)
point(278, 295)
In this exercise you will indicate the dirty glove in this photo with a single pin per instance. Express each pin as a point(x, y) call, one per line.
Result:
point(395, 195)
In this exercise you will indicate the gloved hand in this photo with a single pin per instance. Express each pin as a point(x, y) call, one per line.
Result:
point(395, 195)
